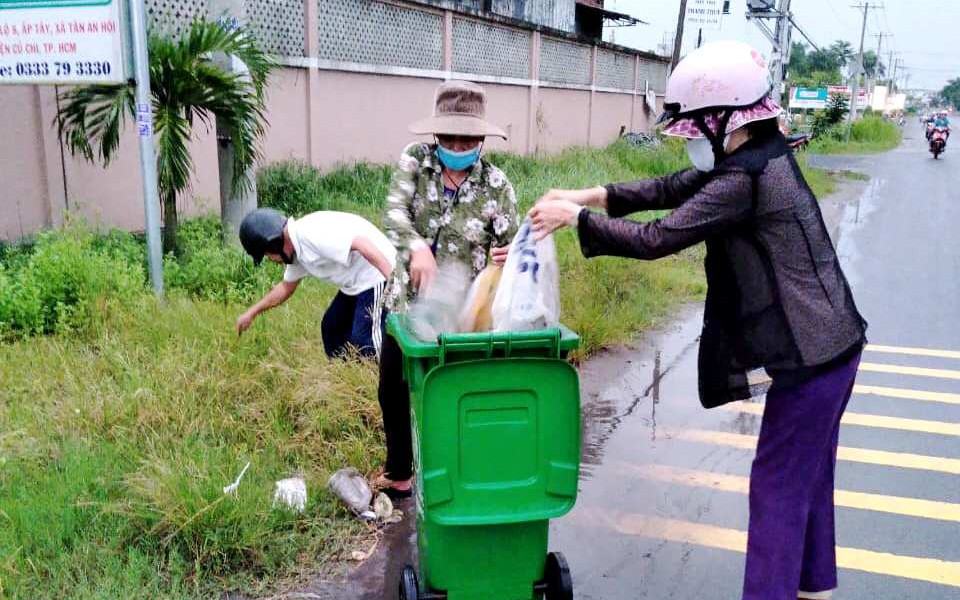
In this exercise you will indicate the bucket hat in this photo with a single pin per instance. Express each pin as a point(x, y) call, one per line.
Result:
point(460, 108)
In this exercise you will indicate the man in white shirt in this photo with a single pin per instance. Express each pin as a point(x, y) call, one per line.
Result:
point(341, 248)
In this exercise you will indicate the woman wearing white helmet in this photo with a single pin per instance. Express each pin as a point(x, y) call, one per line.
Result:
point(777, 298)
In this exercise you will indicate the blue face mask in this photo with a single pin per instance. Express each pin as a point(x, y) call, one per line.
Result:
point(458, 161)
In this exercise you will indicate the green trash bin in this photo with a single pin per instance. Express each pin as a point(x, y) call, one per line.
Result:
point(496, 440)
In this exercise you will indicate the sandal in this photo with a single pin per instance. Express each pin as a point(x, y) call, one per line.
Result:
point(386, 485)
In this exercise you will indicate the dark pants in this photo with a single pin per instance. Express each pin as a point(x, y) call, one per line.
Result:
point(353, 321)
point(791, 546)
point(394, 396)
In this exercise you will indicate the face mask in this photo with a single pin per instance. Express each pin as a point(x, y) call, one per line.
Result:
point(701, 153)
point(458, 161)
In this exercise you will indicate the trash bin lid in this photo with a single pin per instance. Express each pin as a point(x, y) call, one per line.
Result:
point(489, 342)
point(499, 441)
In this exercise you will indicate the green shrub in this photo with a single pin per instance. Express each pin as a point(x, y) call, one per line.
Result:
point(869, 134)
point(296, 188)
point(68, 279)
point(207, 269)
point(825, 121)
point(875, 129)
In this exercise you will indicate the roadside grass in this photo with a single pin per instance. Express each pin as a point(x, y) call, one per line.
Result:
point(822, 182)
point(868, 135)
point(122, 417)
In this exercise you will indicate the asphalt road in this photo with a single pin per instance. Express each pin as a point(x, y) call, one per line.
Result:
point(662, 511)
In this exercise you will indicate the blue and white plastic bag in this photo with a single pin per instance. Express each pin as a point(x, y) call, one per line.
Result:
point(528, 297)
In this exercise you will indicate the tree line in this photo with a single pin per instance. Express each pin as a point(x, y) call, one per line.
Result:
point(825, 66)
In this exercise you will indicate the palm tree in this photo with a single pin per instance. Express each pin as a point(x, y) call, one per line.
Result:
point(841, 51)
point(187, 86)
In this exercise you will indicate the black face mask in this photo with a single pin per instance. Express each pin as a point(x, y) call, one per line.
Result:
point(287, 259)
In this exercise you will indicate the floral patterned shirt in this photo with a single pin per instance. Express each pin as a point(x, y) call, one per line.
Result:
point(463, 227)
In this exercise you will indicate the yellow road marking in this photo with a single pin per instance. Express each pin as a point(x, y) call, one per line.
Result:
point(913, 351)
point(860, 455)
point(897, 505)
point(864, 420)
point(889, 392)
point(904, 370)
point(931, 570)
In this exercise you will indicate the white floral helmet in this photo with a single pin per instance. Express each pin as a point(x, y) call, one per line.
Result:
point(717, 89)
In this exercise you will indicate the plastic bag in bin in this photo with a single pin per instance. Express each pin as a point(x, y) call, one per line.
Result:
point(477, 314)
point(437, 310)
point(528, 296)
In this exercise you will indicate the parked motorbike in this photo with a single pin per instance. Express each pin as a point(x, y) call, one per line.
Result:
point(938, 141)
point(798, 141)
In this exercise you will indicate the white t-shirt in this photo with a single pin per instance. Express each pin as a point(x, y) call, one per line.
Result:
point(322, 243)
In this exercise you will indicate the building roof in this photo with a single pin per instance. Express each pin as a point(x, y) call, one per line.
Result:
point(613, 18)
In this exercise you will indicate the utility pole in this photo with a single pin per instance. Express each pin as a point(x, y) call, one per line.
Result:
point(148, 153)
point(876, 68)
point(678, 41)
point(855, 88)
point(890, 68)
point(784, 31)
point(759, 12)
point(896, 67)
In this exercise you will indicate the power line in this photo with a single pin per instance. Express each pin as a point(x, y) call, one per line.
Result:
point(804, 34)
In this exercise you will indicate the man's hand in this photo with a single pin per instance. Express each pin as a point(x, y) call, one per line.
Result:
point(499, 255)
point(275, 297)
point(423, 268)
point(244, 322)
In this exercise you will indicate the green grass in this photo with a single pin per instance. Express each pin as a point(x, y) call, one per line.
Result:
point(868, 135)
point(823, 183)
point(119, 429)
point(854, 176)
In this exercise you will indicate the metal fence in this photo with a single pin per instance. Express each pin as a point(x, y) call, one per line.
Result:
point(392, 35)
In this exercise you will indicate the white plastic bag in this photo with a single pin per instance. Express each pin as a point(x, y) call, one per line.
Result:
point(291, 493)
point(529, 293)
point(437, 309)
point(352, 489)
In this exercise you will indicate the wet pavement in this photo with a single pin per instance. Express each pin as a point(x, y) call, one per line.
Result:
point(662, 511)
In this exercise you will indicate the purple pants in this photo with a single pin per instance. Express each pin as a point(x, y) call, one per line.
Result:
point(791, 546)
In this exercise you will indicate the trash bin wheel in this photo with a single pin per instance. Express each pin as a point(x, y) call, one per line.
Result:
point(557, 577)
point(408, 584)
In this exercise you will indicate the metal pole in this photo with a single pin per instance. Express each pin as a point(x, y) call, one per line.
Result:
point(148, 157)
point(786, 29)
point(678, 41)
point(855, 88)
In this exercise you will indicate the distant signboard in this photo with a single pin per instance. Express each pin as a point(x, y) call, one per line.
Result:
point(863, 99)
point(705, 14)
point(817, 98)
point(61, 41)
point(809, 98)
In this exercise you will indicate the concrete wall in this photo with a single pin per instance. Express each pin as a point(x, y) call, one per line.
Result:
point(321, 112)
point(24, 197)
point(43, 182)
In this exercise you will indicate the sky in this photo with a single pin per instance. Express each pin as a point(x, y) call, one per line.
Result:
point(926, 56)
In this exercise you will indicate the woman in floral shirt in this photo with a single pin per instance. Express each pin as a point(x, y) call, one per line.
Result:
point(445, 203)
